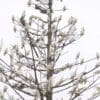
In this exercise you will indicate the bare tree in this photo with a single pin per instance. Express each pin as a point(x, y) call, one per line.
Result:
point(33, 67)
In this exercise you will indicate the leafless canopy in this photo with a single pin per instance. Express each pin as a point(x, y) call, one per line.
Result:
point(32, 68)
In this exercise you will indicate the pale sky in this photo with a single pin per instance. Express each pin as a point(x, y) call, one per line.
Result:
point(86, 11)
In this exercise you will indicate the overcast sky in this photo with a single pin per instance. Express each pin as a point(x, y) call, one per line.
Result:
point(86, 11)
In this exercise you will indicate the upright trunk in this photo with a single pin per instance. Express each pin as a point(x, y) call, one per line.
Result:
point(49, 60)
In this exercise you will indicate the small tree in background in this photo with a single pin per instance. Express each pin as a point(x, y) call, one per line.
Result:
point(32, 68)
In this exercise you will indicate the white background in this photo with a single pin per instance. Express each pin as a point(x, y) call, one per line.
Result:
point(86, 11)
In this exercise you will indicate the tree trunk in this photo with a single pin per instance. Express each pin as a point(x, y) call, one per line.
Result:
point(49, 60)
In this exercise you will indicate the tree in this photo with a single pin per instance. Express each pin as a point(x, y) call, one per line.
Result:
point(32, 69)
